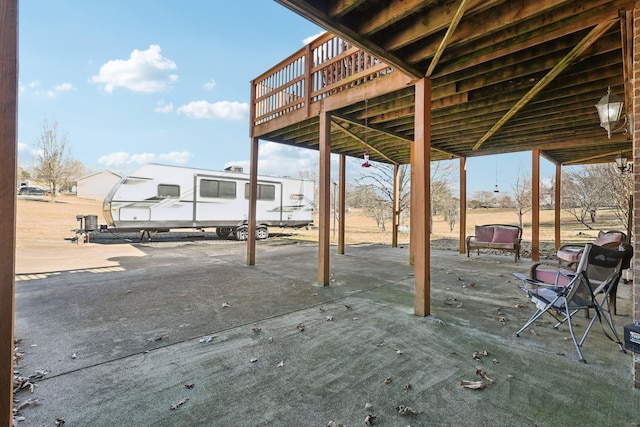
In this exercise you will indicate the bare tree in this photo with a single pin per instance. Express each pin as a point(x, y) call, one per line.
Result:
point(583, 192)
point(53, 157)
point(522, 197)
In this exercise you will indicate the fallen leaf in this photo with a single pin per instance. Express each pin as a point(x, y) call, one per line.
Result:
point(473, 284)
point(28, 402)
point(206, 339)
point(281, 364)
point(189, 386)
point(474, 385)
point(321, 308)
point(388, 380)
point(256, 330)
point(348, 306)
point(300, 327)
point(225, 305)
point(314, 294)
point(73, 356)
point(494, 361)
point(334, 424)
point(533, 332)
point(59, 421)
point(407, 387)
point(399, 351)
point(179, 404)
point(519, 305)
point(253, 360)
point(329, 318)
point(156, 338)
point(369, 407)
point(370, 419)
point(405, 410)
point(483, 374)
point(476, 355)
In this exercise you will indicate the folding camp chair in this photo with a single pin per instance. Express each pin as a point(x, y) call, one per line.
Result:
point(587, 287)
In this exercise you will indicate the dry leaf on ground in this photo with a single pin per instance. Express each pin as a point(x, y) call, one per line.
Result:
point(473, 385)
point(179, 404)
point(405, 410)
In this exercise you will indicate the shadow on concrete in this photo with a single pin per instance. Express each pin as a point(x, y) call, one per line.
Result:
point(265, 346)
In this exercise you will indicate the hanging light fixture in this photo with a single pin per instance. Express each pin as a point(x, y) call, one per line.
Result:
point(610, 111)
point(622, 164)
point(496, 189)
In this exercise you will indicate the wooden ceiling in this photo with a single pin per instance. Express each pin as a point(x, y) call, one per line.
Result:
point(507, 76)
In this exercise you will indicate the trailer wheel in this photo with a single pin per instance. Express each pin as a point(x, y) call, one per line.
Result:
point(223, 232)
point(241, 233)
point(262, 232)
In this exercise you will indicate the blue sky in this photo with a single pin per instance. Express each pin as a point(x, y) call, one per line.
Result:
point(167, 81)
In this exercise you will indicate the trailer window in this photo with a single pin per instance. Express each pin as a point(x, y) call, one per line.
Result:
point(265, 191)
point(219, 189)
point(166, 191)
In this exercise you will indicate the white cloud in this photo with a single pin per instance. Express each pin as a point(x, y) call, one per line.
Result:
point(144, 71)
point(121, 159)
point(282, 160)
point(209, 85)
point(177, 157)
point(225, 110)
point(22, 146)
point(309, 39)
point(163, 107)
point(114, 160)
point(57, 90)
point(142, 158)
point(34, 84)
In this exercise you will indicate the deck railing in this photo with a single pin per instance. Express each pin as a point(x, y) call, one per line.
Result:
point(324, 67)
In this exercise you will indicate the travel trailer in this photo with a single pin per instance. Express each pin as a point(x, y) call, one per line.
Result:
point(159, 197)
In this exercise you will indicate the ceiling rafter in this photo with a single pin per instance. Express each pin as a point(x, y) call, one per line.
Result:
point(593, 35)
point(365, 143)
point(445, 40)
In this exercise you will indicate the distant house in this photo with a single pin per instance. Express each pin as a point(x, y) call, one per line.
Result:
point(96, 185)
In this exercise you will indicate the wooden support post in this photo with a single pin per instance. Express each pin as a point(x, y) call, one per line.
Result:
point(253, 196)
point(8, 157)
point(557, 206)
point(421, 197)
point(463, 204)
point(395, 216)
point(324, 198)
point(342, 202)
point(634, 63)
point(412, 196)
point(535, 205)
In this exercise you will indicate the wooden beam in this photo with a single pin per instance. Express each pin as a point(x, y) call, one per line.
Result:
point(587, 159)
point(557, 204)
point(8, 167)
point(342, 203)
point(564, 62)
point(421, 199)
point(445, 40)
point(363, 142)
point(463, 205)
point(342, 7)
point(324, 204)
point(395, 217)
point(253, 197)
point(535, 203)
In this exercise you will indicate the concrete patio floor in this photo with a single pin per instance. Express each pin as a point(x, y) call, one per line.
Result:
point(265, 346)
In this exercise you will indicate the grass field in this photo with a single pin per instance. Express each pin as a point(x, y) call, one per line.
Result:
point(39, 219)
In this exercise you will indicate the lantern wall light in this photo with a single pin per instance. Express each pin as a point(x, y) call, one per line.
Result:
point(610, 112)
point(623, 164)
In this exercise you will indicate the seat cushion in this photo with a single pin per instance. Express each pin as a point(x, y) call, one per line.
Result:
point(604, 238)
point(505, 235)
point(549, 274)
point(484, 234)
point(570, 254)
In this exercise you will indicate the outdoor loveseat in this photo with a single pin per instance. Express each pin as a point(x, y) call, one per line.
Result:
point(496, 236)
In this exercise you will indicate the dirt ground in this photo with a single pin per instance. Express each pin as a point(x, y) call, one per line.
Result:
point(43, 225)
